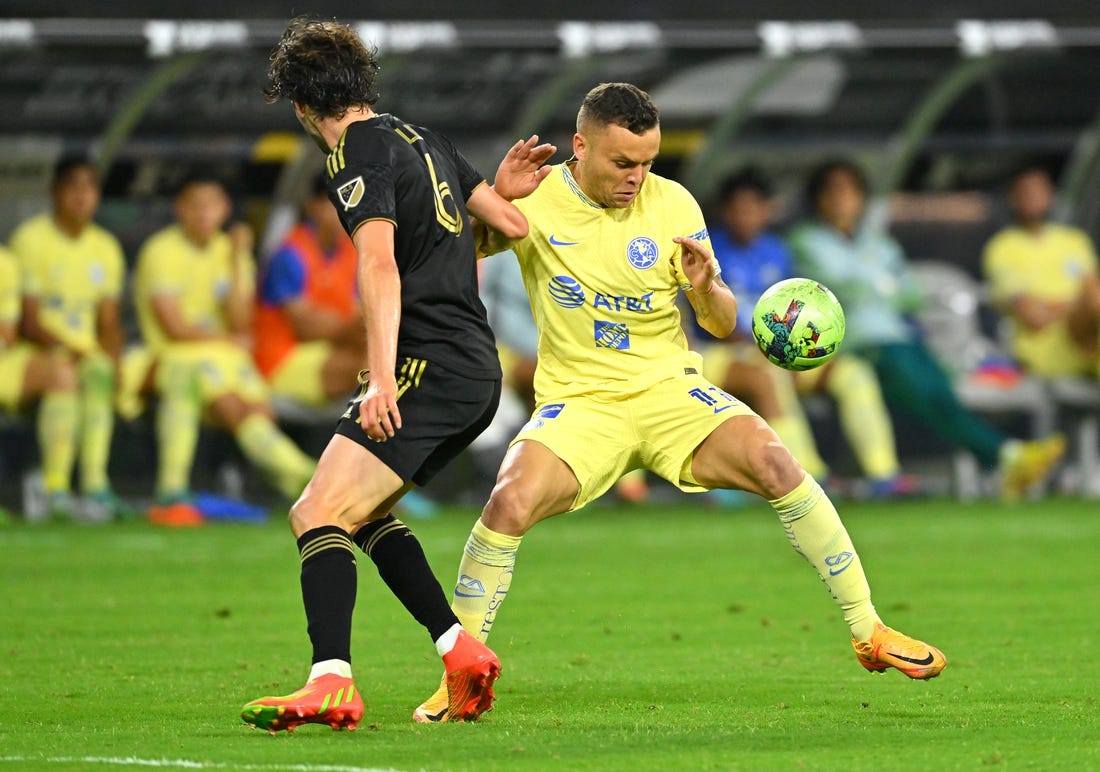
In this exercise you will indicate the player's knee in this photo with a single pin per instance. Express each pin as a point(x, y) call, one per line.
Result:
point(774, 469)
point(510, 510)
point(313, 509)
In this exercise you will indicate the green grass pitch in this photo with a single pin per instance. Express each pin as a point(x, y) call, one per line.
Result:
point(633, 639)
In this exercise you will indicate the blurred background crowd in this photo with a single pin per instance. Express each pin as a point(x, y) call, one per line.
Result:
point(177, 307)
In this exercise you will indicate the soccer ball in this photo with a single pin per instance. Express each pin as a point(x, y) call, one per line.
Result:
point(798, 324)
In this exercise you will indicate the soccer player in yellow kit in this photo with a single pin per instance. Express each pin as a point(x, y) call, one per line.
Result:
point(193, 289)
point(1045, 276)
point(28, 372)
point(609, 247)
point(72, 273)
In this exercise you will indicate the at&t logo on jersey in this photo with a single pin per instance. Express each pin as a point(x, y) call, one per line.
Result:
point(638, 305)
point(642, 252)
point(566, 292)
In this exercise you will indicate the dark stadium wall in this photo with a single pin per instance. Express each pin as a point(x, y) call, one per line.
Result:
point(748, 10)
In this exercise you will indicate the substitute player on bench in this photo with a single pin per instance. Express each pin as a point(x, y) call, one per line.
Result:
point(72, 272)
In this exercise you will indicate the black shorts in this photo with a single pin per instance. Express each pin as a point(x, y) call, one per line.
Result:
point(441, 414)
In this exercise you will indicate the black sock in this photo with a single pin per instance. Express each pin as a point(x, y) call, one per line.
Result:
point(328, 590)
point(403, 567)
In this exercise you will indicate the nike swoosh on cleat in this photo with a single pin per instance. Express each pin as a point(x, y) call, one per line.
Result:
point(557, 243)
point(926, 661)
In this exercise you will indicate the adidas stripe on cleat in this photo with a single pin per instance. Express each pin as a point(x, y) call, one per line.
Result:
point(329, 699)
point(889, 648)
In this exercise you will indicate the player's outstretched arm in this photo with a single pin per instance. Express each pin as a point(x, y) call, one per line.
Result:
point(380, 298)
point(497, 213)
point(714, 304)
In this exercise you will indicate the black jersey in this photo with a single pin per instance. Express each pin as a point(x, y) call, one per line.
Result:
point(385, 169)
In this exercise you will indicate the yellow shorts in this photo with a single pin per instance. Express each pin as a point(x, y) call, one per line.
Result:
point(299, 375)
point(13, 371)
point(602, 438)
point(220, 368)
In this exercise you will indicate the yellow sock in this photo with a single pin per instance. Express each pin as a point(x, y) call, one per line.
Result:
point(268, 448)
point(97, 422)
point(179, 414)
point(484, 576)
point(863, 416)
point(57, 439)
point(793, 428)
point(815, 531)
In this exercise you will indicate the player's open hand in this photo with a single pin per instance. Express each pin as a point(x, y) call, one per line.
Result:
point(697, 266)
point(523, 168)
point(378, 413)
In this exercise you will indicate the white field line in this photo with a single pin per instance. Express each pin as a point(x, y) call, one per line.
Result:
point(133, 761)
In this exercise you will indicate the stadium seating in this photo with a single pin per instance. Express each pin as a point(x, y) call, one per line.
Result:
point(1078, 402)
point(984, 380)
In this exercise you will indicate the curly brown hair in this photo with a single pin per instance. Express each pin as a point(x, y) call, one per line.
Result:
point(618, 104)
point(324, 66)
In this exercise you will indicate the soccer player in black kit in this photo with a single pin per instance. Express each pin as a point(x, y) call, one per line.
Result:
point(403, 193)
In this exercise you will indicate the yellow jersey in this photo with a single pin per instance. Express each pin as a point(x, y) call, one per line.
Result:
point(199, 277)
point(1050, 267)
point(9, 289)
point(603, 284)
point(70, 277)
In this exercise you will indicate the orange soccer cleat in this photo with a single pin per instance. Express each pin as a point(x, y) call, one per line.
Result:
point(467, 689)
point(889, 648)
point(328, 699)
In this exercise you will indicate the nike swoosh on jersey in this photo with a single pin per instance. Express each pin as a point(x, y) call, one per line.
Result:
point(557, 243)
